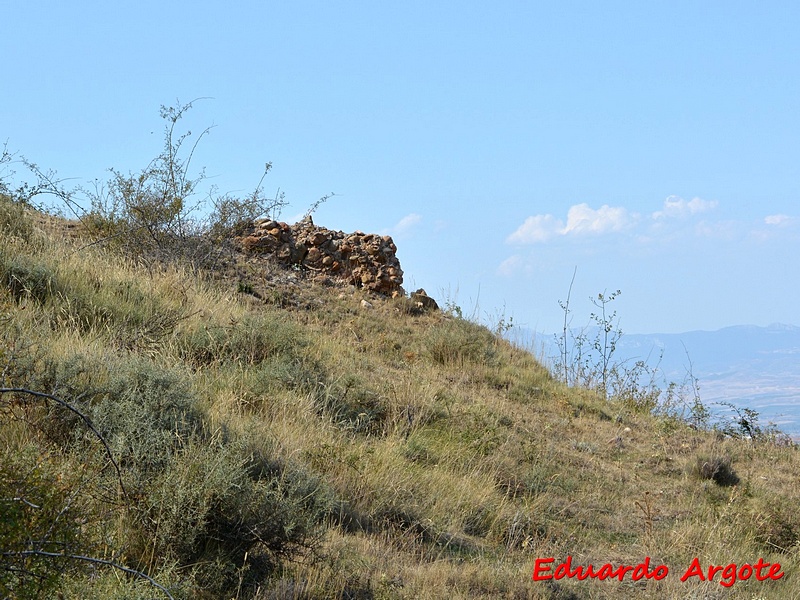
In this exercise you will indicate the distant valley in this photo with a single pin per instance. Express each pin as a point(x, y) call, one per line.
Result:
point(745, 365)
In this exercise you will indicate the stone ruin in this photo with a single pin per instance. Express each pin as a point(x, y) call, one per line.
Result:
point(365, 260)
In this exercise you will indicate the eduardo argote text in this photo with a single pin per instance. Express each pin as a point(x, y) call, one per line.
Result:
point(726, 575)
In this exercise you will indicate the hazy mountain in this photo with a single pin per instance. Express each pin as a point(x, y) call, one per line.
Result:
point(749, 366)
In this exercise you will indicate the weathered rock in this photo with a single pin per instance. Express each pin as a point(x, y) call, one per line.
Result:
point(423, 300)
point(314, 255)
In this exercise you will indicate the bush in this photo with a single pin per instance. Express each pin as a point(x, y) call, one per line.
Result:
point(228, 515)
point(745, 424)
point(14, 220)
point(149, 215)
point(198, 500)
point(778, 527)
point(147, 415)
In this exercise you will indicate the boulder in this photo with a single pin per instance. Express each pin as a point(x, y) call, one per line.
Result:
point(425, 302)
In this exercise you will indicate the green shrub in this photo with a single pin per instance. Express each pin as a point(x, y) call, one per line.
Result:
point(149, 214)
point(108, 584)
point(223, 508)
point(72, 379)
point(147, 415)
point(231, 517)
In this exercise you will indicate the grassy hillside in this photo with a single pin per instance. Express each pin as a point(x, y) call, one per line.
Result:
point(298, 444)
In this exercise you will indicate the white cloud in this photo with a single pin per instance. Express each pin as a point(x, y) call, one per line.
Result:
point(779, 220)
point(719, 230)
point(581, 219)
point(675, 206)
point(510, 266)
point(404, 225)
point(538, 228)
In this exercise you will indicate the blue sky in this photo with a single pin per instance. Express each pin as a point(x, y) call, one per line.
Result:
point(655, 145)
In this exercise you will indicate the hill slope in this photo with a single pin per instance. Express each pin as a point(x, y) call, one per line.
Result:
point(303, 443)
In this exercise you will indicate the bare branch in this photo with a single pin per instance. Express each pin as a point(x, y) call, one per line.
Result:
point(19, 499)
point(98, 561)
point(83, 417)
point(49, 185)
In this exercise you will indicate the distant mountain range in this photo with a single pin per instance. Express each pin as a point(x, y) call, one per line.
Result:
point(748, 366)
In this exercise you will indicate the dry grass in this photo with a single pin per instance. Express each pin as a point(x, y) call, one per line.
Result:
point(446, 459)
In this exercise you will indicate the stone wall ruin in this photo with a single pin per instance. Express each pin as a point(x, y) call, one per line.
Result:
point(365, 260)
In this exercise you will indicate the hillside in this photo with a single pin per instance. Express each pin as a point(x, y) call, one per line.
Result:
point(258, 432)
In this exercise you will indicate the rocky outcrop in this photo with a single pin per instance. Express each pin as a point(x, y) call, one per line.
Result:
point(366, 260)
